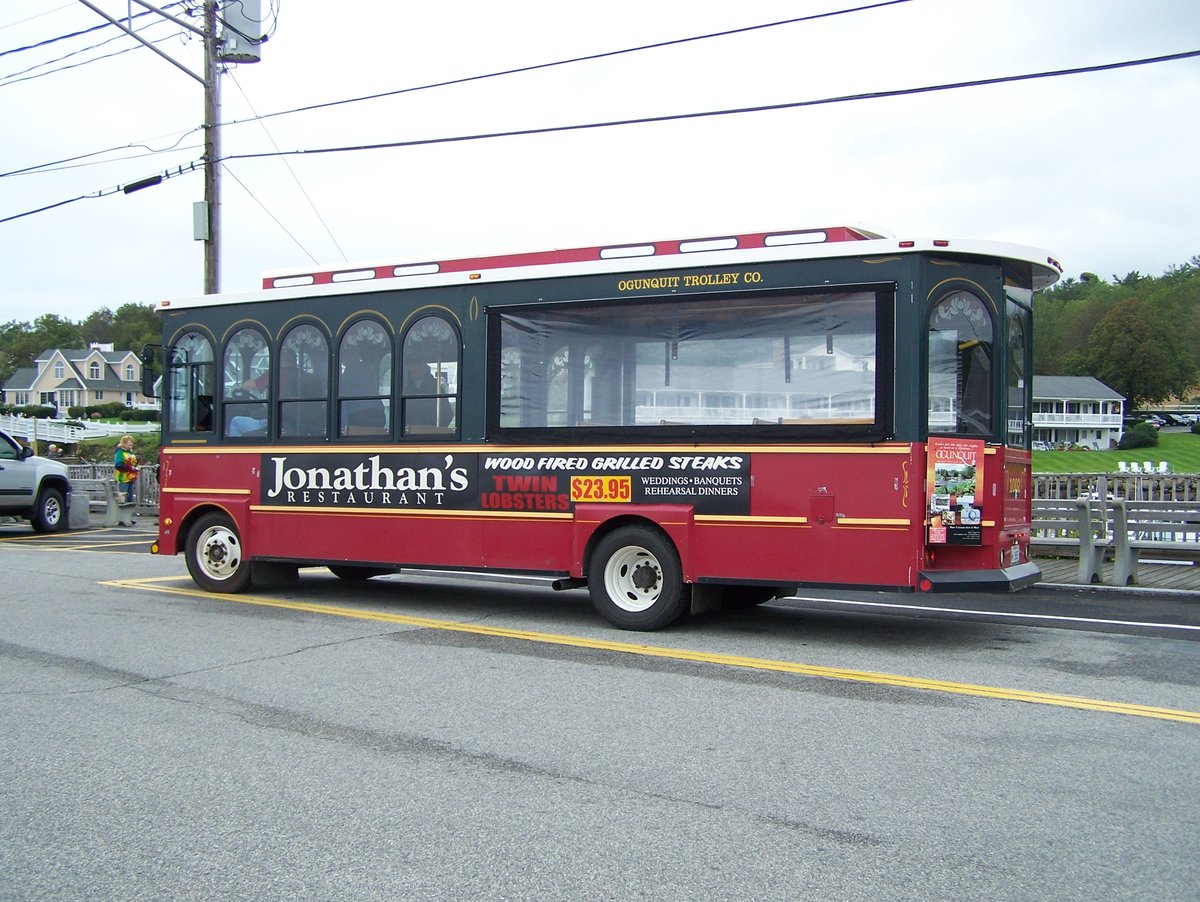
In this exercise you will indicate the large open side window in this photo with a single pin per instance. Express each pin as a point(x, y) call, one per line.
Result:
point(715, 365)
point(191, 379)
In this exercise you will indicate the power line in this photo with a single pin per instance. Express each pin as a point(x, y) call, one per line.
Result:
point(532, 68)
point(74, 34)
point(286, 231)
point(55, 165)
point(295, 178)
point(577, 59)
point(11, 79)
point(116, 189)
point(673, 117)
point(48, 12)
point(848, 98)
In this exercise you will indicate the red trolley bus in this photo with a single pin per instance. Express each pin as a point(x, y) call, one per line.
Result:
point(672, 424)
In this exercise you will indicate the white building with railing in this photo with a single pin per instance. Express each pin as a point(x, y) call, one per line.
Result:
point(1076, 410)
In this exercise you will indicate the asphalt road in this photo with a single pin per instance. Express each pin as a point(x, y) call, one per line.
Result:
point(436, 738)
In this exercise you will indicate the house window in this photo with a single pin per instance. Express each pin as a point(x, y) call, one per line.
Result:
point(59, 372)
point(129, 372)
point(99, 396)
point(93, 370)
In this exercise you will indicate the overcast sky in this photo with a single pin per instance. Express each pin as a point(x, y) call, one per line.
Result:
point(1098, 169)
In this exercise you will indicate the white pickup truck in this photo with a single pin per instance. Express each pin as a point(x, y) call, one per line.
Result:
point(36, 488)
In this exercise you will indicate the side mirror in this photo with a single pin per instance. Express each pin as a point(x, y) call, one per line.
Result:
point(26, 452)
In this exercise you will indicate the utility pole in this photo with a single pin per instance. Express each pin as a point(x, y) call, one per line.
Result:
point(212, 151)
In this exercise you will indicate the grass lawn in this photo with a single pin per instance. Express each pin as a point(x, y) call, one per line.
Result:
point(1179, 449)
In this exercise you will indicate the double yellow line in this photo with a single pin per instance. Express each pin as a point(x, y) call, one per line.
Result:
point(158, 584)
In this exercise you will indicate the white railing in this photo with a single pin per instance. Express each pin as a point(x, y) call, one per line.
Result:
point(66, 431)
point(1096, 420)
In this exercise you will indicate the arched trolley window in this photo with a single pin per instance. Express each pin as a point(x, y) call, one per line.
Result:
point(961, 352)
point(246, 383)
point(303, 396)
point(365, 380)
point(431, 358)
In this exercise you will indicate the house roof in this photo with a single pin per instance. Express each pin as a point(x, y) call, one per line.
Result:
point(1072, 388)
point(76, 371)
point(22, 379)
point(84, 354)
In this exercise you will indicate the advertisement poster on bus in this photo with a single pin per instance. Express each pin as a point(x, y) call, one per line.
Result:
point(955, 512)
point(507, 482)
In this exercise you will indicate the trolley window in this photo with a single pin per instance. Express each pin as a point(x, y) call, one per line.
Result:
point(960, 366)
point(705, 365)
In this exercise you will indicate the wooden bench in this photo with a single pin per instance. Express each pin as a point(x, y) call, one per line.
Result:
point(104, 495)
point(1060, 526)
point(1165, 529)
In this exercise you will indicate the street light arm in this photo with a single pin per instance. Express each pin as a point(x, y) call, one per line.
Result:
point(166, 15)
point(178, 65)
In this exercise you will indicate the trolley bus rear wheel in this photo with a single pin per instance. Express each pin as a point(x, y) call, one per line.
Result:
point(635, 580)
point(214, 555)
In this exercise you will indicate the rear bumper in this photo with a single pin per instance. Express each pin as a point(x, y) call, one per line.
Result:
point(1008, 579)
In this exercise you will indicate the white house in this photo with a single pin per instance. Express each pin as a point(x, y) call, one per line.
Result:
point(1079, 410)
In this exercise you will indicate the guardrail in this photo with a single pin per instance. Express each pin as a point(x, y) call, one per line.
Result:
point(145, 493)
point(1130, 486)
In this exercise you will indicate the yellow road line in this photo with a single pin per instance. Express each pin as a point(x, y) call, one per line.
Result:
point(155, 584)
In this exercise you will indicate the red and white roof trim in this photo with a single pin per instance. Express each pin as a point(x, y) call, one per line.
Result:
point(372, 272)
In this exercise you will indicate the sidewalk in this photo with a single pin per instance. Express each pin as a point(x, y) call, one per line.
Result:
point(1176, 577)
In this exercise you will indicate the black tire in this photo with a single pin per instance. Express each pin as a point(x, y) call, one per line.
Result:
point(214, 555)
point(635, 580)
point(50, 512)
point(353, 573)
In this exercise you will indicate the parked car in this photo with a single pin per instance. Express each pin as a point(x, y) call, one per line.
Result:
point(35, 488)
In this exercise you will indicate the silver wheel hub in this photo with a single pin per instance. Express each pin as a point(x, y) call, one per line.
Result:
point(220, 552)
point(633, 578)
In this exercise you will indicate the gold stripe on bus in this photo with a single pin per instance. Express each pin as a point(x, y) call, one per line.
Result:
point(411, 512)
point(513, 450)
point(872, 521)
point(735, 520)
point(177, 490)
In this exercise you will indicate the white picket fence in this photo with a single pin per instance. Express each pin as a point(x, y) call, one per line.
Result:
point(31, 429)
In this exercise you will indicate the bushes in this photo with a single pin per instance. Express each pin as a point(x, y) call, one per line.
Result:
point(1140, 435)
point(113, 411)
point(38, 411)
point(139, 416)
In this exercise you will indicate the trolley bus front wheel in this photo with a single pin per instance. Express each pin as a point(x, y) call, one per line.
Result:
point(635, 580)
point(214, 555)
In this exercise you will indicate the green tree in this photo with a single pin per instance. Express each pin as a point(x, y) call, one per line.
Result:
point(20, 343)
point(1136, 350)
point(135, 326)
point(98, 327)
